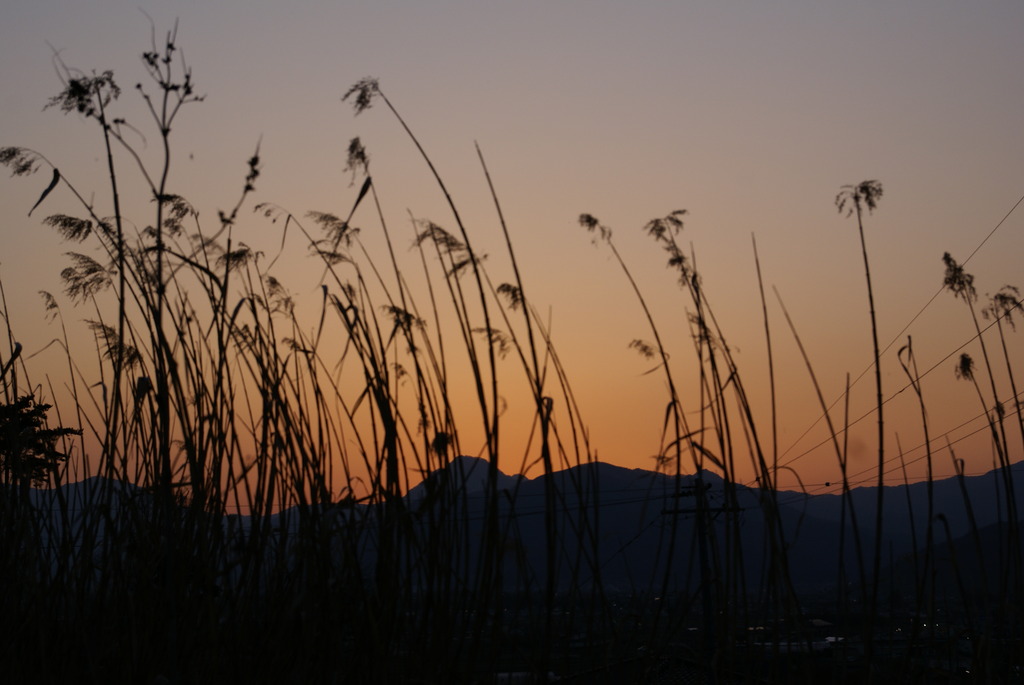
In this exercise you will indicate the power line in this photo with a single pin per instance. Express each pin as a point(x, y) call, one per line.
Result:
point(904, 329)
point(888, 399)
point(892, 342)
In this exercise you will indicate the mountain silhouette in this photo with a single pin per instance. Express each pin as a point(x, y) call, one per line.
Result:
point(633, 529)
point(620, 530)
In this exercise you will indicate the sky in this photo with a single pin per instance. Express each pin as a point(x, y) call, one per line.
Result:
point(751, 116)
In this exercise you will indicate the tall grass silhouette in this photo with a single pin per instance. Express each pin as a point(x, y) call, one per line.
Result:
point(244, 495)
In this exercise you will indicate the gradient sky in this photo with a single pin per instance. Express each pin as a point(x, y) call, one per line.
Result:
point(749, 115)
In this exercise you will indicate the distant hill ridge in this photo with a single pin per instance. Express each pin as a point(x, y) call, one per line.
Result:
point(631, 528)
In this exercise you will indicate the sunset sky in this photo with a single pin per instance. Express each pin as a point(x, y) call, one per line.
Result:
point(751, 116)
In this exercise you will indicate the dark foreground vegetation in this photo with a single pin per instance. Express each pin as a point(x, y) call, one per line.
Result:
point(243, 512)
